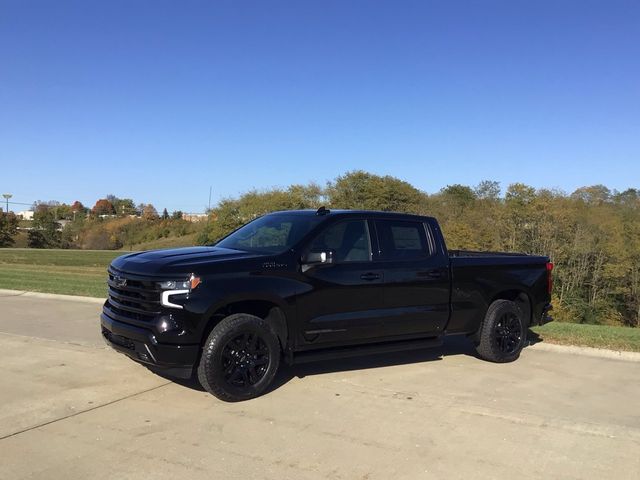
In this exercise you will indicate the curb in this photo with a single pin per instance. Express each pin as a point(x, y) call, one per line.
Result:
point(587, 351)
point(51, 296)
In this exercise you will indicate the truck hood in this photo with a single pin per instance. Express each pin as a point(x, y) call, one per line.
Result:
point(177, 260)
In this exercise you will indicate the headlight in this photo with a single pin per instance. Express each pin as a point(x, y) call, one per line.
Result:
point(173, 285)
point(177, 287)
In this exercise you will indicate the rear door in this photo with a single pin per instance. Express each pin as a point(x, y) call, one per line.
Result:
point(343, 301)
point(416, 278)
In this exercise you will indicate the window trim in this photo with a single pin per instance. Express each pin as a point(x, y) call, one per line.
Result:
point(431, 242)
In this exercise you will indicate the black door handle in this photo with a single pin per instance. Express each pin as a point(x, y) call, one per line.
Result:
point(370, 276)
point(430, 274)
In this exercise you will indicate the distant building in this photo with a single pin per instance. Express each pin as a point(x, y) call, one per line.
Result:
point(194, 217)
point(62, 224)
point(25, 215)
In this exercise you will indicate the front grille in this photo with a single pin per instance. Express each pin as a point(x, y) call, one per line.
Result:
point(133, 298)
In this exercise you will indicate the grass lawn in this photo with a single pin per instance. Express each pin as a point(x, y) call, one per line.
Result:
point(598, 336)
point(71, 272)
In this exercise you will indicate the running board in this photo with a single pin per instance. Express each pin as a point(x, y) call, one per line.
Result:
point(370, 349)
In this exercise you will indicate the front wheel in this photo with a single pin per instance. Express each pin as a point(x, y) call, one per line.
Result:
point(504, 332)
point(239, 359)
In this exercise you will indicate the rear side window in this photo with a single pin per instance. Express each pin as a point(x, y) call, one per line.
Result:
point(402, 240)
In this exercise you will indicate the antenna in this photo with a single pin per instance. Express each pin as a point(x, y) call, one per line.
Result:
point(323, 211)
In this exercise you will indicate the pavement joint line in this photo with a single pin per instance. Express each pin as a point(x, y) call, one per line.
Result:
point(75, 414)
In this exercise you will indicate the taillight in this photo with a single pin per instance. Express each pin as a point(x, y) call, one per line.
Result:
point(549, 277)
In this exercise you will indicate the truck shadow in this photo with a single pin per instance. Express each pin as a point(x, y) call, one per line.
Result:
point(451, 346)
point(454, 345)
point(533, 338)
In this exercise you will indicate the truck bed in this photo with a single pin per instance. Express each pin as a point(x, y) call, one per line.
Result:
point(469, 258)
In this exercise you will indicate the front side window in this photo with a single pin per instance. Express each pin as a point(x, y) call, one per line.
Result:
point(349, 241)
point(402, 240)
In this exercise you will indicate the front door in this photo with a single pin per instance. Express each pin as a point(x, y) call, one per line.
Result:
point(344, 300)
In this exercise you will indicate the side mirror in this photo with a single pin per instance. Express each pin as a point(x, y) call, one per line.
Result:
point(313, 258)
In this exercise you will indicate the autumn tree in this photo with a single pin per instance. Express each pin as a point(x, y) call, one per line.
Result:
point(149, 212)
point(487, 190)
point(362, 190)
point(78, 207)
point(103, 207)
point(459, 197)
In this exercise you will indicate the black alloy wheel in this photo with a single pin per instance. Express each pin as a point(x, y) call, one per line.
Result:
point(244, 360)
point(503, 333)
point(508, 333)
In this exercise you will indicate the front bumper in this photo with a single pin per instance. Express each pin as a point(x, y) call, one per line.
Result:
point(142, 346)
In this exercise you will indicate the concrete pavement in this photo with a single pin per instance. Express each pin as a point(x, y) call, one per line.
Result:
point(73, 409)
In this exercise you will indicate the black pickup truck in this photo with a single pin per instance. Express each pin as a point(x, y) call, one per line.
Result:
point(307, 285)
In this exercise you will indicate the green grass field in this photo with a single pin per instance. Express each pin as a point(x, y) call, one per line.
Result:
point(597, 336)
point(71, 272)
point(83, 272)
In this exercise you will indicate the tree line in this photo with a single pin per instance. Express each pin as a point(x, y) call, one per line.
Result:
point(112, 223)
point(592, 235)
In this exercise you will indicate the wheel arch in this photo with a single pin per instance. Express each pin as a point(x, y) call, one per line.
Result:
point(521, 298)
point(268, 309)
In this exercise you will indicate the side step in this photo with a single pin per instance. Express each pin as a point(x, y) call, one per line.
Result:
point(369, 349)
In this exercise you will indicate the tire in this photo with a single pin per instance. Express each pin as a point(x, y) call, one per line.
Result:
point(503, 333)
point(239, 359)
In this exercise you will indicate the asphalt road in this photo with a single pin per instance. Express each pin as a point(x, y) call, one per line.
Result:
point(72, 409)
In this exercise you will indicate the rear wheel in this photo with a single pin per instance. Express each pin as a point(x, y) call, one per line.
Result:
point(240, 358)
point(504, 332)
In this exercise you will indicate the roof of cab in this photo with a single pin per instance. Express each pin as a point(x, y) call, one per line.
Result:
point(344, 212)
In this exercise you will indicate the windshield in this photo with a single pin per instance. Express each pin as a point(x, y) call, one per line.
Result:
point(270, 234)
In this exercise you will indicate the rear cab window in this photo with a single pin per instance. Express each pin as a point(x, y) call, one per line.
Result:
point(403, 240)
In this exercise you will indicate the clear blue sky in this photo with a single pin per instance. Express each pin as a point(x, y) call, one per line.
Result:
point(157, 100)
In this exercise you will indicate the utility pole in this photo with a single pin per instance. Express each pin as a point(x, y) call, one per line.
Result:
point(7, 196)
point(209, 209)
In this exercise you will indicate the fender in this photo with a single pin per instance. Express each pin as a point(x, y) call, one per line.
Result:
point(218, 294)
